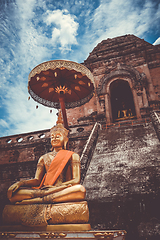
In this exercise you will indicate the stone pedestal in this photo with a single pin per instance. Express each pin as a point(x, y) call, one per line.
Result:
point(62, 221)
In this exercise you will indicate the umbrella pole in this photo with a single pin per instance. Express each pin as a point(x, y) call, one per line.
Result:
point(62, 104)
point(63, 109)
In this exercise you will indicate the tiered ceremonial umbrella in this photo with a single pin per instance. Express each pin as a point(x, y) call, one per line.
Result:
point(61, 84)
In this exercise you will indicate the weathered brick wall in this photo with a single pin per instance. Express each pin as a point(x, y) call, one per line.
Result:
point(74, 114)
point(123, 180)
point(155, 75)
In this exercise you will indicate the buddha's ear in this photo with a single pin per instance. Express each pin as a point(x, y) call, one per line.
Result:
point(65, 142)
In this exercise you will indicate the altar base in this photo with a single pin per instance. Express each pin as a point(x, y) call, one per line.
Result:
point(39, 215)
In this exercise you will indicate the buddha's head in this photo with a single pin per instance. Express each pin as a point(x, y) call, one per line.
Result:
point(59, 134)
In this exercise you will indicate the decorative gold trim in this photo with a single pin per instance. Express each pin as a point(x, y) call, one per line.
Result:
point(110, 234)
point(61, 89)
point(57, 104)
point(62, 64)
point(51, 232)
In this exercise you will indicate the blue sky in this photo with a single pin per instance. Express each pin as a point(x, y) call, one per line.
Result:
point(34, 31)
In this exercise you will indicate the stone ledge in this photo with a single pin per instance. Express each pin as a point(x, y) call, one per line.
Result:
point(63, 234)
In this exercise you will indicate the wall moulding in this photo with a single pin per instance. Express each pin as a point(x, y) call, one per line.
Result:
point(123, 71)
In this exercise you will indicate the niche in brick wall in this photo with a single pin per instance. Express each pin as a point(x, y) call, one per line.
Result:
point(122, 103)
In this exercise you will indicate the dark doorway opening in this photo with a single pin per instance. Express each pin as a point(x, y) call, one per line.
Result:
point(122, 101)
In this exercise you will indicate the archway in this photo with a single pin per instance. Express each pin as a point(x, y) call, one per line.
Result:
point(122, 103)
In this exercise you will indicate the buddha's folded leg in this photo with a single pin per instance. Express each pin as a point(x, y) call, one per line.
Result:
point(27, 194)
point(30, 201)
point(21, 195)
point(73, 193)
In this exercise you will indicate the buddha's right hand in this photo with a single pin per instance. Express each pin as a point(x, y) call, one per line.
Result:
point(13, 188)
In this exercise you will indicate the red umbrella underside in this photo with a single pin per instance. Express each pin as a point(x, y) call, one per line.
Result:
point(44, 87)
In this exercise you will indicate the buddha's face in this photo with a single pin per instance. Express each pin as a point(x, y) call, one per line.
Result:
point(57, 139)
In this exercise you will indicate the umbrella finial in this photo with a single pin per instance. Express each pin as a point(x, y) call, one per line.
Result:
point(60, 119)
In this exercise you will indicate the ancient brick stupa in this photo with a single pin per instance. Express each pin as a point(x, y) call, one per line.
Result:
point(117, 136)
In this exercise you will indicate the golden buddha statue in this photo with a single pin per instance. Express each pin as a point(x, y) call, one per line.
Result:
point(60, 183)
point(54, 196)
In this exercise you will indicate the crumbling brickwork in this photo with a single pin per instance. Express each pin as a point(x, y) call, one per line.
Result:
point(123, 179)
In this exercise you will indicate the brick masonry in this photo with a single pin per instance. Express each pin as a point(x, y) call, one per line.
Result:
point(130, 59)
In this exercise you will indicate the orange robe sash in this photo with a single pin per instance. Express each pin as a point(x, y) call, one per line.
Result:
point(57, 165)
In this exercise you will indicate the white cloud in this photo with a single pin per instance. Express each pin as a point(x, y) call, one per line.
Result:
point(32, 48)
point(157, 41)
point(114, 18)
point(64, 27)
point(23, 114)
point(3, 123)
point(29, 49)
point(26, 8)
